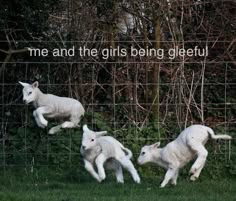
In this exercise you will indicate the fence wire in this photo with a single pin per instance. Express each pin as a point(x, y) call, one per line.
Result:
point(117, 96)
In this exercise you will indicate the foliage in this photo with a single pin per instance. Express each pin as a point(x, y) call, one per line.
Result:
point(31, 16)
point(36, 149)
point(117, 93)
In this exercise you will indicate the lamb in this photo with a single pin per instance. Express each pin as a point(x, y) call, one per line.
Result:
point(51, 106)
point(98, 150)
point(176, 154)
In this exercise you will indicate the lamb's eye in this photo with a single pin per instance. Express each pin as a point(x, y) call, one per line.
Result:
point(143, 153)
point(92, 140)
point(30, 93)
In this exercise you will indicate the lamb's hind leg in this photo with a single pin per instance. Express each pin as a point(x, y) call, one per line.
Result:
point(119, 173)
point(196, 174)
point(116, 166)
point(128, 165)
point(74, 121)
point(200, 162)
point(66, 124)
point(54, 129)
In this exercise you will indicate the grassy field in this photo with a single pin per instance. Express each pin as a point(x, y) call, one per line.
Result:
point(27, 188)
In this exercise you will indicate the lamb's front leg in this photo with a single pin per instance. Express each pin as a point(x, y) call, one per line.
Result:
point(39, 112)
point(100, 160)
point(89, 167)
point(174, 179)
point(37, 120)
point(168, 176)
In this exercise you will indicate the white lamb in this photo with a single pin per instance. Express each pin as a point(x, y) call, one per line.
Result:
point(51, 106)
point(176, 154)
point(98, 150)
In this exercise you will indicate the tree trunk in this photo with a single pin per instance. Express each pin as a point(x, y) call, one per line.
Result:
point(156, 74)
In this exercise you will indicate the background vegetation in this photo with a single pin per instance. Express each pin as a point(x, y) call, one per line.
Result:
point(138, 100)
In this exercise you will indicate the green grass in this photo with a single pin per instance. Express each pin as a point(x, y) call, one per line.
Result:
point(26, 187)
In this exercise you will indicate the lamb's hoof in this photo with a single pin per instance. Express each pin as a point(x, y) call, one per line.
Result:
point(68, 125)
point(45, 124)
point(120, 181)
point(137, 180)
point(99, 180)
point(34, 113)
point(42, 126)
point(162, 186)
point(54, 130)
point(51, 132)
point(102, 177)
point(63, 126)
point(193, 178)
point(193, 171)
point(174, 183)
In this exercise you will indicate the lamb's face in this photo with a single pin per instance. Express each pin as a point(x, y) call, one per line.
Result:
point(89, 138)
point(29, 92)
point(145, 155)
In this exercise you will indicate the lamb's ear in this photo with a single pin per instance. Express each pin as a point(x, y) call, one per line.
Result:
point(156, 145)
point(35, 84)
point(85, 128)
point(100, 133)
point(23, 84)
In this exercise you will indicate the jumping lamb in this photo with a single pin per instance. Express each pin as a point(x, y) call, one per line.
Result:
point(98, 150)
point(176, 154)
point(51, 106)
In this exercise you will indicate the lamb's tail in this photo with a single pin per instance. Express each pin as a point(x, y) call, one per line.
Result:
point(215, 137)
point(129, 153)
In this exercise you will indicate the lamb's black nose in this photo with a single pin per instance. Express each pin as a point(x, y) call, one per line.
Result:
point(83, 147)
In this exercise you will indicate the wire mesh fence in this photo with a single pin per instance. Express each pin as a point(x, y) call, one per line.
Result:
point(138, 99)
point(115, 95)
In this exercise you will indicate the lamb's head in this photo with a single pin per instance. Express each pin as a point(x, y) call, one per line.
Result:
point(146, 154)
point(90, 137)
point(29, 91)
